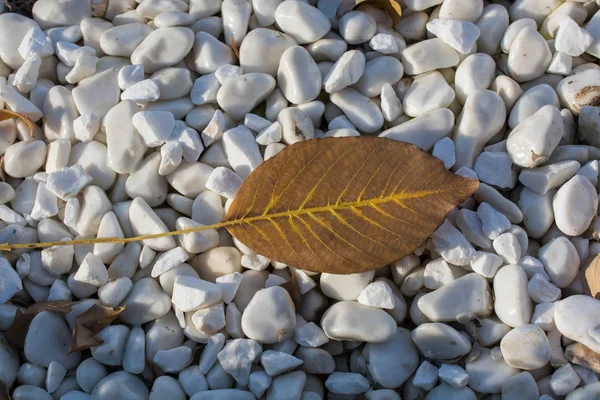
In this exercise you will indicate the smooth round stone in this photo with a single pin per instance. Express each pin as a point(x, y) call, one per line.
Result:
point(357, 27)
point(23, 159)
point(298, 76)
point(121, 385)
point(440, 341)
point(110, 352)
point(28, 392)
point(360, 110)
point(51, 13)
point(252, 282)
point(146, 183)
point(377, 73)
point(122, 40)
point(302, 21)
point(98, 93)
point(189, 179)
point(427, 92)
point(217, 262)
point(526, 347)
point(423, 131)
point(538, 208)
point(163, 334)
point(512, 302)
point(476, 72)
point(296, 125)
point(270, 317)
point(13, 27)
point(163, 48)
point(329, 48)
point(59, 112)
point(513, 30)
point(210, 53)
point(349, 320)
point(392, 362)
point(173, 83)
point(168, 19)
point(240, 94)
point(125, 147)
point(579, 90)
point(417, 59)
point(48, 339)
point(166, 387)
point(531, 101)
point(9, 362)
point(529, 56)
point(486, 374)
point(575, 205)
point(145, 302)
point(482, 117)
point(578, 318)
point(224, 394)
point(561, 261)
point(445, 391)
point(261, 50)
point(451, 302)
point(587, 392)
point(466, 10)
point(345, 287)
point(92, 156)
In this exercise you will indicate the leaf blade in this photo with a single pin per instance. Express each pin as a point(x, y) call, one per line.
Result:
point(339, 205)
point(8, 114)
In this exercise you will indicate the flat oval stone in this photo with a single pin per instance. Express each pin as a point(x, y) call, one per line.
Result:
point(428, 92)
point(512, 305)
point(529, 56)
point(359, 109)
point(13, 27)
point(48, 339)
point(350, 320)
point(262, 49)
point(98, 93)
point(163, 48)
point(575, 205)
point(423, 131)
point(122, 40)
point(23, 159)
point(173, 83)
point(417, 59)
point(440, 341)
point(302, 21)
point(210, 53)
point(486, 374)
point(146, 182)
point(526, 347)
point(112, 387)
point(578, 318)
point(124, 144)
point(377, 73)
point(59, 112)
point(145, 302)
point(392, 362)
point(240, 94)
point(579, 90)
point(217, 262)
point(345, 286)
point(531, 101)
point(270, 317)
point(467, 296)
point(92, 156)
point(50, 13)
point(298, 76)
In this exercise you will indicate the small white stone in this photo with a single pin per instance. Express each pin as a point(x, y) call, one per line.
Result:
point(496, 169)
point(460, 35)
point(391, 106)
point(454, 375)
point(561, 261)
point(304, 282)
point(310, 335)
point(241, 150)
point(210, 319)
point(46, 203)
point(543, 316)
point(27, 75)
point(575, 204)
point(237, 357)
point(155, 127)
point(171, 154)
point(255, 262)
point(84, 66)
point(384, 43)
point(346, 71)
point(277, 363)
point(60, 291)
point(23, 265)
point(507, 246)
point(35, 42)
point(144, 91)
point(86, 126)
point(10, 217)
point(224, 182)
point(10, 284)
point(274, 280)
point(92, 271)
point(173, 360)
point(377, 294)
point(444, 150)
point(255, 122)
point(67, 182)
point(347, 383)
point(493, 223)
point(270, 134)
point(452, 245)
point(258, 383)
point(19, 104)
point(572, 39)
point(169, 260)
point(541, 290)
point(190, 293)
point(486, 264)
point(564, 380)
point(542, 179)
point(69, 53)
point(227, 71)
point(55, 376)
point(113, 293)
point(590, 170)
point(512, 305)
point(229, 285)
point(129, 75)
point(561, 64)
point(189, 139)
point(58, 259)
point(215, 128)
point(205, 89)
point(426, 376)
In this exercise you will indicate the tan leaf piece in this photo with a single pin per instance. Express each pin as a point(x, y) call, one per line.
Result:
point(582, 355)
point(591, 278)
point(392, 7)
point(344, 205)
point(88, 324)
point(7, 114)
point(16, 332)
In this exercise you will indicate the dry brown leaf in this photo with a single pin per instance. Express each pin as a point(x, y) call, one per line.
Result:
point(591, 278)
point(344, 205)
point(4, 392)
point(7, 114)
point(292, 288)
point(88, 324)
point(392, 7)
point(61, 306)
point(234, 47)
point(582, 355)
point(16, 332)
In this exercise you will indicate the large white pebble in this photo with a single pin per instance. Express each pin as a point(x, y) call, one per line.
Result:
point(210, 53)
point(476, 72)
point(302, 21)
point(24, 158)
point(261, 50)
point(377, 73)
point(145, 302)
point(575, 205)
point(561, 261)
point(357, 27)
point(346, 286)
point(240, 94)
point(440, 341)
point(362, 111)
point(578, 318)
point(427, 92)
point(270, 316)
point(111, 387)
point(298, 76)
point(529, 56)
point(582, 89)
point(512, 302)
point(526, 347)
point(486, 374)
point(163, 48)
point(418, 58)
point(531, 101)
point(340, 323)
point(48, 339)
point(423, 131)
point(124, 39)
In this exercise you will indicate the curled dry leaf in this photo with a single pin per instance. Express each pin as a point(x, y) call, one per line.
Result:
point(292, 288)
point(61, 306)
point(591, 278)
point(392, 7)
point(234, 47)
point(7, 114)
point(582, 355)
point(344, 205)
point(17, 331)
point(89, 323)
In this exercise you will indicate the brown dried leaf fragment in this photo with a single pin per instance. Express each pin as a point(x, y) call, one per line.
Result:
point(292, 288)
point(235, 48)
point(7, 114)
point(17, 331)
point(61, 306)
point(344, 205)
point(88, 324)
point(580, 354)
point(392, 7)
point(590, 278)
